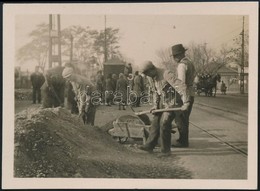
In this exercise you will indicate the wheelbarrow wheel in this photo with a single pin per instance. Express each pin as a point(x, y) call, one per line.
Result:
point(122, 140)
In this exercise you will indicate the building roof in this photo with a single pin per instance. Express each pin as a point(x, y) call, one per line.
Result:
point(114, 61)
point(224, 70)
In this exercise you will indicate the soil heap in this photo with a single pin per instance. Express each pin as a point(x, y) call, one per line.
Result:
point(54, 143)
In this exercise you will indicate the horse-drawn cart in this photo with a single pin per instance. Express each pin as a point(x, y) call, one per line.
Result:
point(207, 84)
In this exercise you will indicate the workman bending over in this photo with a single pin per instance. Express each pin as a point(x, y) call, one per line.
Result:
point(84, 90)
point(53, 88)
point(161, 126)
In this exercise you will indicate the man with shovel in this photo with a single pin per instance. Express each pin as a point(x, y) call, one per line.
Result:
point(161, 126)
point(83, 89)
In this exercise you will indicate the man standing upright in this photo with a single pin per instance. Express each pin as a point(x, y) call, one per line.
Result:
point(183, 84)
point(37, 80)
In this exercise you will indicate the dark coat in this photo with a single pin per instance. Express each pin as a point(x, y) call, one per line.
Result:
point(109, 85)
point(37, 80)
point(121, 87)
point(138, 85)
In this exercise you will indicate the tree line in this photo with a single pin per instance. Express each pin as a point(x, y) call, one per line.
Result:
point(89, 47)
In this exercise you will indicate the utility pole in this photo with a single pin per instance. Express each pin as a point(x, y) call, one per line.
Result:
point(71, 48)
point(242, 59)
point(105, 41)
point(54, 40)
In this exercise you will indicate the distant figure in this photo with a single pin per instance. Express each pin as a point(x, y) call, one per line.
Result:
point(114, 80)
point(223, 88)
point(37, 80)
point(121, 88)
point(128, 70)
point(138, 87)
point(100, 83)
point(109, 90)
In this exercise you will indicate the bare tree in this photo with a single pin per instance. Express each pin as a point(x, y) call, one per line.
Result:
point(165, 58)
point(237, 49)
point(107, 41)
point(202, 57)
point(37, 48)
point(82, 39)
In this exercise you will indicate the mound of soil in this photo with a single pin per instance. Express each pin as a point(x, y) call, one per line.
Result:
point(54, 143)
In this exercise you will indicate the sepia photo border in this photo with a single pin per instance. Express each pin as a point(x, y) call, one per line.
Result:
point(207, 8)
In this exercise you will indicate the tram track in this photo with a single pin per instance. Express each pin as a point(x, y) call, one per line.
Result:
point(233, 116)
point(221, 109)
point(217, 113)
point(244, 153)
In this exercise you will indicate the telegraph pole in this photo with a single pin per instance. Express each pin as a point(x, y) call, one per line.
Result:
point(59, 40)
point(105, 42)
point(71, 48)
point(242, 59)
point(54, 40)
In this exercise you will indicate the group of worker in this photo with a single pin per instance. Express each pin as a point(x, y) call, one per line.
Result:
point(83, 92)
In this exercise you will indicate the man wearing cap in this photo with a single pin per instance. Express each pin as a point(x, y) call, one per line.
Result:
point(83, 89)
point(161, 126)
point(183, 84)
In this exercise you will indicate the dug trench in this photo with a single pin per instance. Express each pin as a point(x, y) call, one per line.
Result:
point(54, 143)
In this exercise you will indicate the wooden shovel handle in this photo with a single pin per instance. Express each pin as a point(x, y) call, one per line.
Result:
point(158, 110)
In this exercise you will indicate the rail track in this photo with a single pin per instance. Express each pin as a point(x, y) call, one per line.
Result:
point(237, 149)
point(226, 115)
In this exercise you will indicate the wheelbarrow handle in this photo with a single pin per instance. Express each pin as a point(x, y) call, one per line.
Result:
point(158, 110)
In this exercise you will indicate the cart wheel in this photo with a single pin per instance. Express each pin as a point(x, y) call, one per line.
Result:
point(122, 139)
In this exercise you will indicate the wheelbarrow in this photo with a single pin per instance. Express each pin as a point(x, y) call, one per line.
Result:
point(132, 126)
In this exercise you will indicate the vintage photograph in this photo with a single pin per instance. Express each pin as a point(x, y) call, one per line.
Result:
point(99, 96)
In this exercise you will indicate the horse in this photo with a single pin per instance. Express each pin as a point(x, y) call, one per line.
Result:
point(212, 85)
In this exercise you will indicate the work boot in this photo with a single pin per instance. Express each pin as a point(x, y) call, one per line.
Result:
point(144, 148)
point(119, 107)
point(180, 144)
point(123, 107)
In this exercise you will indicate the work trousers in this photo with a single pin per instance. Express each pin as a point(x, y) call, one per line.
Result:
point(182, 122)
point(161, 128)
point(89, 117)
point(52, 97)
point(36, 94)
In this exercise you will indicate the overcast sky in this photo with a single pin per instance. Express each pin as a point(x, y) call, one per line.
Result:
point(142, 35)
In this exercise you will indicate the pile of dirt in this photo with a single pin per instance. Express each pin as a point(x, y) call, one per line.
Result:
point(54, 143)
point(23, 94)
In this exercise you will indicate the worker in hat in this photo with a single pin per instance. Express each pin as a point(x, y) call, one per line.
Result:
point(83, 89)
point(161, 127)
point(182, 81)
point(53, 88)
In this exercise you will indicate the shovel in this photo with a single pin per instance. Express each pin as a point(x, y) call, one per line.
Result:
point(158, 111)
point(143, 117)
